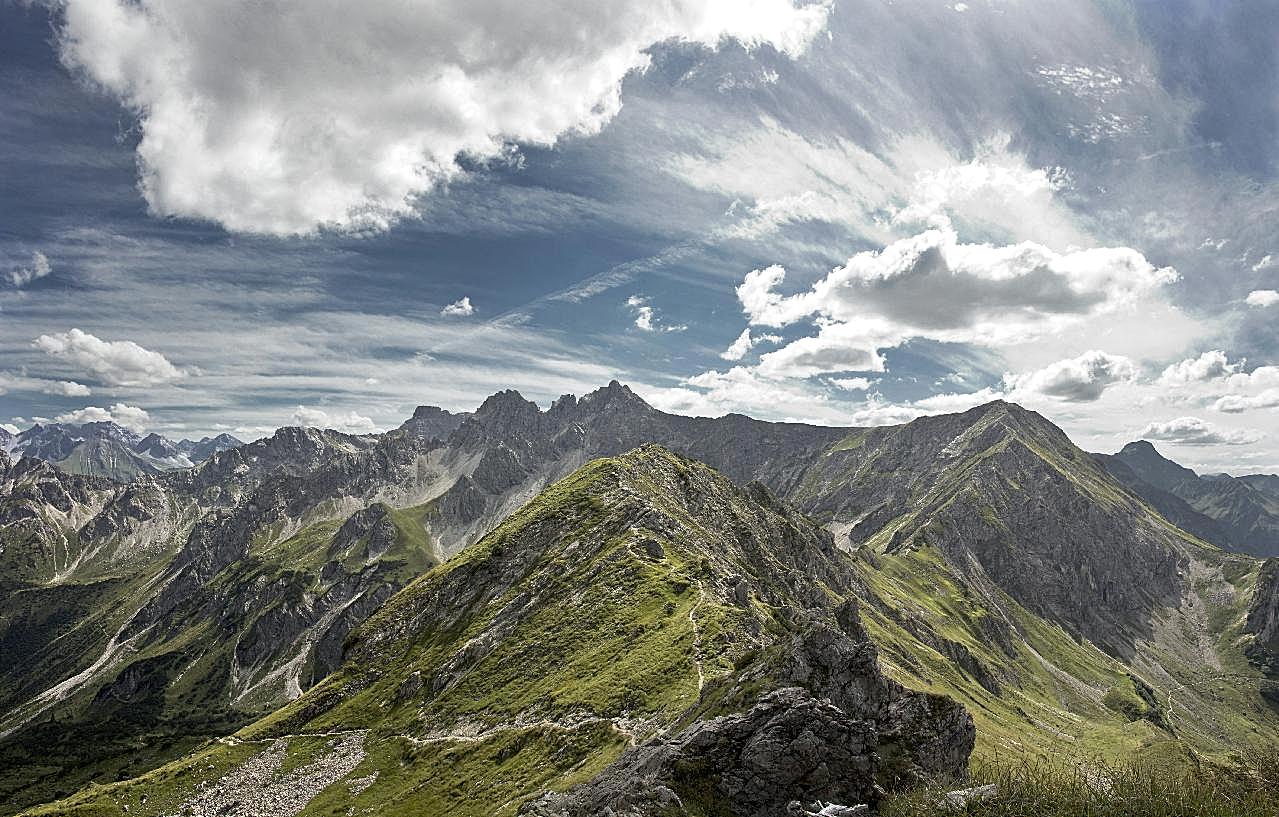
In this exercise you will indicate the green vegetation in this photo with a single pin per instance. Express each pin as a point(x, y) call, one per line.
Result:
point(531, 660)
point(1247, 788)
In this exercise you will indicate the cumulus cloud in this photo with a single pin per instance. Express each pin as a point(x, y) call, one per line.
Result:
point(1238, 403)
point(1208, 366)
point(837, 347)
point(646, 317)
point(130, 417)
point(117, 362)
point(37, 267)
point(460, 308)
point(66, 388)
point(1080, 379)
point(1262, 297)
point(745, 342)
point(738, 348)
point(1194, 431)
point(851, 383)
point(985, 190)
point(284, 119)
point(350, 422)
point(930, 285)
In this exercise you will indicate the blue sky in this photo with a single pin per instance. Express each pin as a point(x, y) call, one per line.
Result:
point(851, 213)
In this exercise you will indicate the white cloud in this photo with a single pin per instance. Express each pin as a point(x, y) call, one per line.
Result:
point(738, 348)
point(66, 388)
point(837, 347)
point(1238, 403)
point(776, 176)
point(117, 363)
point(1079, 379)
point(339, 115)
point(745, 342)
point(350, 422)
point(983, 190)
point(741, 388)
point(949, 403)
point(38, 267)
point(1262, 264)
point(1194, 431)
point(646, 317)
point(461, 308)
point(126, 416)
point(931, 286)
point(1208, 366)
point(851, 383)
point(1262, 297)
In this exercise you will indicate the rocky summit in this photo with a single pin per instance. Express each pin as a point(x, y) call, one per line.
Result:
point(597, 606)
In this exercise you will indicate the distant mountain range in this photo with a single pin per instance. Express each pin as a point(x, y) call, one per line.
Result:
point(105, 449)
point(1235, 513)
point(603, 606)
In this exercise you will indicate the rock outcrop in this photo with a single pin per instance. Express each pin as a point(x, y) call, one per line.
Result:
point(1263, 618)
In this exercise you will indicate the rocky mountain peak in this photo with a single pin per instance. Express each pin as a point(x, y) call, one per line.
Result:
point(505, 416)
point(432, 422)
point(614, 393)
point(505, 406)
point(1155, 468)
point(428, 412)
point(156, 446)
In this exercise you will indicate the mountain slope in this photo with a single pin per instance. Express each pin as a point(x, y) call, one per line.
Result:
point(644, 612)
point(999, 564)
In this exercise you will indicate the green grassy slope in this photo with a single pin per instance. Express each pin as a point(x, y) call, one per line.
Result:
point(636, 595)
point(198, 678)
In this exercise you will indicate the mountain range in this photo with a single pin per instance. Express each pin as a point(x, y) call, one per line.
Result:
point(601, 605)
point(106, 449)
point(1236, 513)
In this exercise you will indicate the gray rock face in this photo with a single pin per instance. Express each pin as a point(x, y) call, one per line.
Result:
point(372, 527)
point(787, 745)
point(1263, 617)
point(432, 423)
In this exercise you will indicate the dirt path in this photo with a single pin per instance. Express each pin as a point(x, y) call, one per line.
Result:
point(697, 635)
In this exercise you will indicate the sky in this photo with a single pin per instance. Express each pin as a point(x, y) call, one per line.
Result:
point(237, 216)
